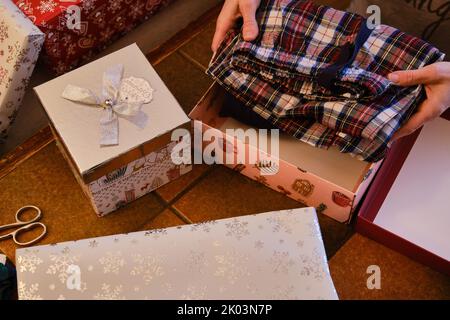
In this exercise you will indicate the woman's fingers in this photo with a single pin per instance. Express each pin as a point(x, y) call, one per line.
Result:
point(232, 9)
point(248, 9)
point(425, 75)
point(225, 22)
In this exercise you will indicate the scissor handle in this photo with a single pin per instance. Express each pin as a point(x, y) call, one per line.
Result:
point(23, 229)
point(36, 218)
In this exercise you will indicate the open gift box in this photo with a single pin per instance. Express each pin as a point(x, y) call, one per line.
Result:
point(332, 182)
point(113, 175)
point(407, 208)
point(273, 255)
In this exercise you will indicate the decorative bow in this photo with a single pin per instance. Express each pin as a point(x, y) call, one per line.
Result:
point(119, 98)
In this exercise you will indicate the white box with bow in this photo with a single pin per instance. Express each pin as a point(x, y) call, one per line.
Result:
point(113, 120)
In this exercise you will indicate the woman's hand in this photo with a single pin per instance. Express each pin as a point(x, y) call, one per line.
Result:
point(231, 11)
point(436, 80)
point(435, 77)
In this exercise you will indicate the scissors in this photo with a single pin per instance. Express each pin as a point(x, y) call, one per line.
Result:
point(24, 226)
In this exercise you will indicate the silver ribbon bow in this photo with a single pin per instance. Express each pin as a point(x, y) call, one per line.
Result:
point(119, 98)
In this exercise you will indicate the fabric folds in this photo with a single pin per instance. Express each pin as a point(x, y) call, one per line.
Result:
point(320, 75)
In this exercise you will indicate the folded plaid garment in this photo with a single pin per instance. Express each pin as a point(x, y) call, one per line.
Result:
point(320, 75)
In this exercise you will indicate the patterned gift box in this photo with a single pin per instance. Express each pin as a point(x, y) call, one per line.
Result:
point(114, 175)
point(20, 44)
point(69, 40)
point(274, 255)
point(332, 182)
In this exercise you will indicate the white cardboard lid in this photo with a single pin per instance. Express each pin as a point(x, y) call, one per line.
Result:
point(417, 207)
point(78, 124)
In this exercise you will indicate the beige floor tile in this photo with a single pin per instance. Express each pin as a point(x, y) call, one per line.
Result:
point(225, 193)
point(401, 277)
point(185, 80)
point(169, 191)
point(45, 180)
point(165, 219)
point(199, 48)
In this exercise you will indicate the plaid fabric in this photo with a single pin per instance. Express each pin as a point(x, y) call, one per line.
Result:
point(278, 75)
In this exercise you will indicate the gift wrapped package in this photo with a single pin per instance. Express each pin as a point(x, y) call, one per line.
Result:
point(113, 119)
point(274, 255)
point(20, 44)
point(76, 30)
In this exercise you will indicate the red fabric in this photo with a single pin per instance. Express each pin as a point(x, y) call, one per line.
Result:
point(102, 21)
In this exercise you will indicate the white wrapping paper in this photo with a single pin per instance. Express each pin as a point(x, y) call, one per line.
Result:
point(275, 255)
point(20, 44)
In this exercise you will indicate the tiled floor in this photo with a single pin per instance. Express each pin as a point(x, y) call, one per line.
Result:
point(208, 192)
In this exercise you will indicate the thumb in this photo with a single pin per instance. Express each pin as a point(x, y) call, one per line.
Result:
point(225, 22)
point(250, 28)
point(414, 77)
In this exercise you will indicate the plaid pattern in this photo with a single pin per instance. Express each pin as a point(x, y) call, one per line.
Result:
point(277, 76)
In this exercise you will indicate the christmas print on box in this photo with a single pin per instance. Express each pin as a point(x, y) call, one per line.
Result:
point(116, 139)
point(20, 44)
point(75, 30)
point(132, 181)
point(274, 255)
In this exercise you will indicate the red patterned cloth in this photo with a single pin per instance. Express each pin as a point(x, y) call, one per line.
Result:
point(320, 75)
point(101, 22)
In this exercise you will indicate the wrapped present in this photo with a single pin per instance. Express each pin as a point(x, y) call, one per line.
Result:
point(113, 119)
point(274, 255)
point(20, 44)
point(76, 30)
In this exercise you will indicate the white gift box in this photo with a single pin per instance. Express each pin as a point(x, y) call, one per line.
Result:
point(20, 44)
point(140, 162)
point(274, 255)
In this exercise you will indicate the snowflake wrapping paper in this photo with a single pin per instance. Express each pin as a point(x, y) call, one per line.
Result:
point(77, 30)
point(20, 44)
point(274, 255)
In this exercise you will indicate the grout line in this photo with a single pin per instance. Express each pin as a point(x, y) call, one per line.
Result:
point(193, 60)
point(180, 215)
point(167, 206)
point(154, 216)
point(10, 161)
point(161, 200)
point(191, 185)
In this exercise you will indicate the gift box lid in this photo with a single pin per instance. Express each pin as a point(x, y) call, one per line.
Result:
point(407, 207)
point(78, 125)
point(274, 255)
